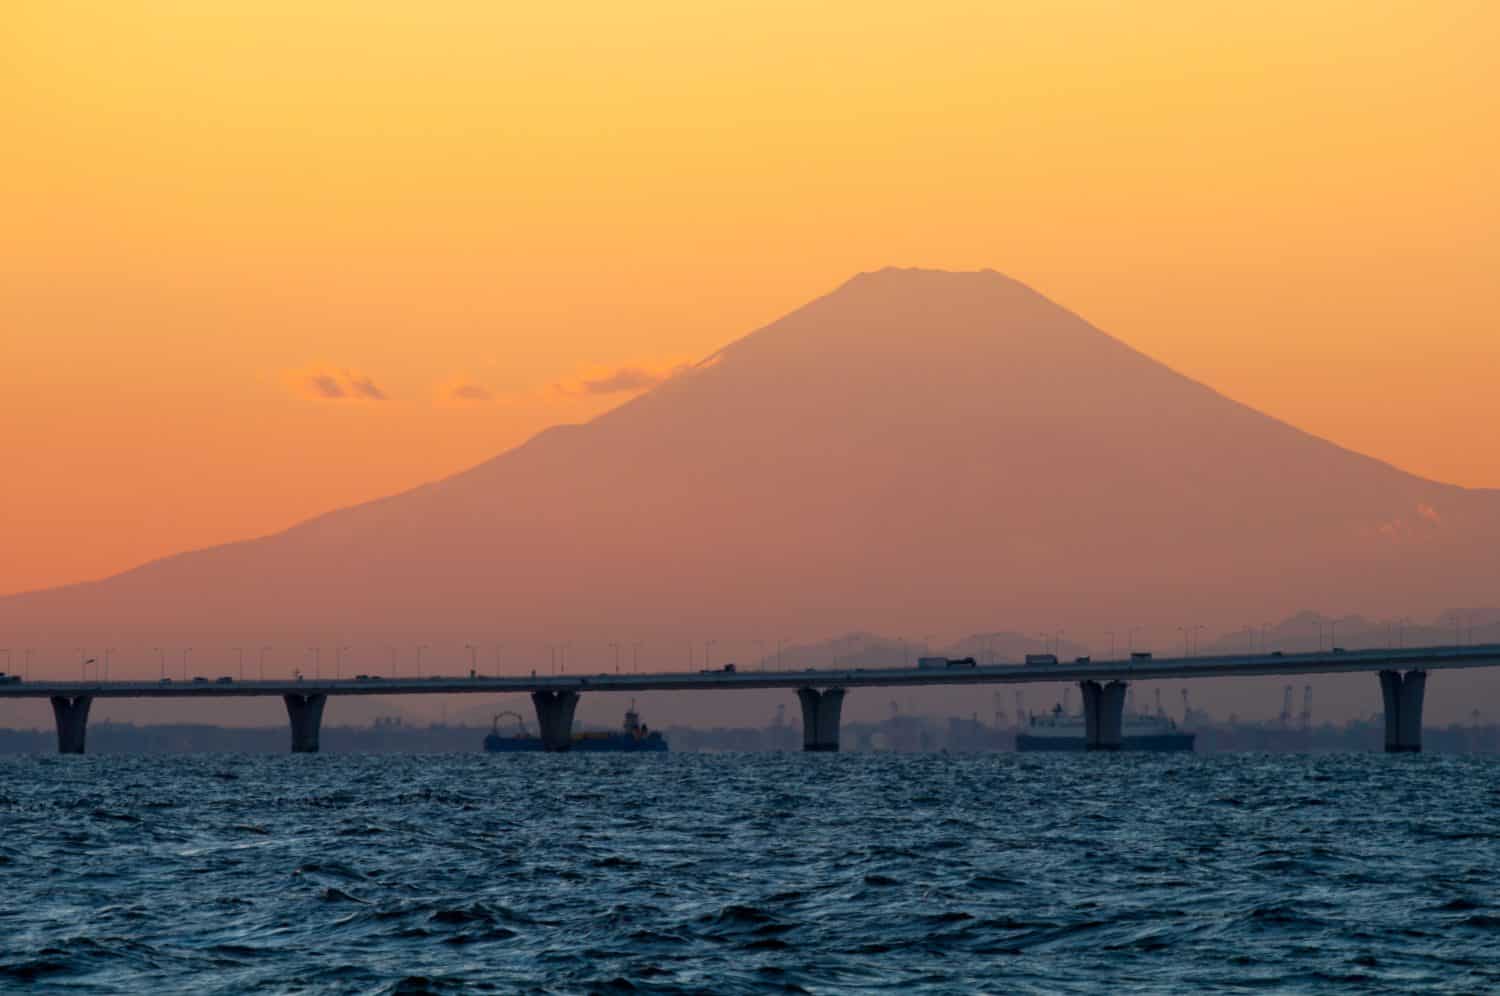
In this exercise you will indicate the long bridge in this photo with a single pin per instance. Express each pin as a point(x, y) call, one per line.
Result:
point(1402, 674)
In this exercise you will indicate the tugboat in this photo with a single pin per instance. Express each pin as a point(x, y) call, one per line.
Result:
point(1060, 730)
point(633, 736)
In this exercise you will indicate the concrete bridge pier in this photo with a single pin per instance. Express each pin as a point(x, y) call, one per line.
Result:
point(306, 714)
point(72, 722)
point(1403, 695)
point(820, 717)
point(1103, 714)
point(554, 717)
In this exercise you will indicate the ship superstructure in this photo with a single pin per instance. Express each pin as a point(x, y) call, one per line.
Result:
point(1062, 729)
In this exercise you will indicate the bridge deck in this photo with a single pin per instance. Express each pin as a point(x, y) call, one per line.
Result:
point(1247, 665)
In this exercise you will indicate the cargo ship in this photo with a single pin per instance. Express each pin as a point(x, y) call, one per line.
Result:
point(633, 736)
point(1060, 730)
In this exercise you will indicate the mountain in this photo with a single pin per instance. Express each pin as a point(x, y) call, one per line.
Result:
point(917, 452)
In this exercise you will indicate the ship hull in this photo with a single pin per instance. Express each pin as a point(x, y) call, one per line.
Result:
point(1143, 742)
point(602, 745)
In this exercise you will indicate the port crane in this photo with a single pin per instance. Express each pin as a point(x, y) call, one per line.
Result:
point(520, 722)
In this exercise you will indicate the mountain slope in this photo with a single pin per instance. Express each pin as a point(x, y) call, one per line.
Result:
point(916, 451)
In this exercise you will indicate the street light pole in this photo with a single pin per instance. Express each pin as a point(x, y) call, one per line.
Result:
point(317, 660)
point(163, 655)
point(420, 647)
point(263, 651)
point(617, 657)
point(238, 650)
point(338, 661)
point(185, 652)
point(473, 658)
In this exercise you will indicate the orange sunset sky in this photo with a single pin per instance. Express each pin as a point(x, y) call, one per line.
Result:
point(263, 258)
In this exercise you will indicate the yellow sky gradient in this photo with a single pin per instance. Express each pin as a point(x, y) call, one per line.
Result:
point(204, 205)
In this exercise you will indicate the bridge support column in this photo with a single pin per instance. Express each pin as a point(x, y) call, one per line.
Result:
point(554, 717)
point(1103, 714)
point(306, 714)
point(820, 717)
point(72, 722)
point(1403, 710)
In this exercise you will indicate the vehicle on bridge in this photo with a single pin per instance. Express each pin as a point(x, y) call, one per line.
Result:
point(933, 663)
point(9, 679)
point(1033, 660)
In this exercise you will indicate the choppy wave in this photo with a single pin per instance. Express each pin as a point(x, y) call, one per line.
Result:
point(752, 873)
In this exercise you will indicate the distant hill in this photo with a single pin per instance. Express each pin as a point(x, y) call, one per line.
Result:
point(916, 452)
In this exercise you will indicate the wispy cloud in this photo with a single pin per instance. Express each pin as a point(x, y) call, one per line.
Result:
point(630, 379)
point(468, 391)
point(593, 383)
point(325, 386)
point(336, 385)
point(624, 379)
point(364, 387)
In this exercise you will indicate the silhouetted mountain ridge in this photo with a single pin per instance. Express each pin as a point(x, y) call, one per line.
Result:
point(918, 451)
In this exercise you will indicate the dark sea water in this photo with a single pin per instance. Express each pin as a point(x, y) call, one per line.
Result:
point(750, 873)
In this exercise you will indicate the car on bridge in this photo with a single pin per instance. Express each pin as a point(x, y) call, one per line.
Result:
point(9, 679)
point(1034, 660)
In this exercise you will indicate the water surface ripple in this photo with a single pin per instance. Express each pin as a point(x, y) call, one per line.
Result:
point(749, 873)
